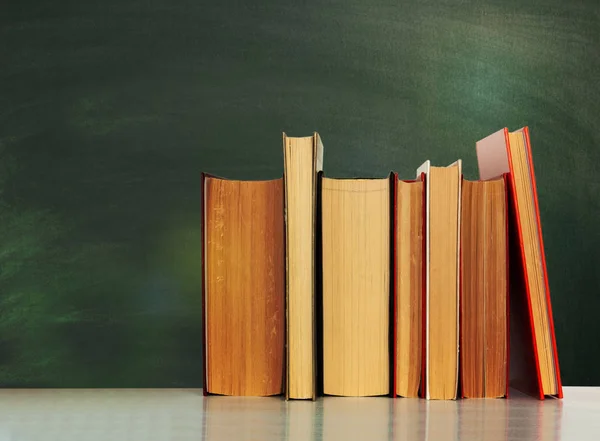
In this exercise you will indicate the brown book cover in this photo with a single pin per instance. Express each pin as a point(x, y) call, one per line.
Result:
point(243, 281)
point(473, 248)
point(397, 272)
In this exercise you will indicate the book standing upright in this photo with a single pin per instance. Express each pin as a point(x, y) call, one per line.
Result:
point(409, 285)
point(243, 286)
point(303, 159)
point(357, 285)
point(442, 280)
point(484, 289)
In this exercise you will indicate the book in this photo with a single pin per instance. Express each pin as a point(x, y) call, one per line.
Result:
point(534, 367)
point(243, 281)
point(303, 159)
point(442, 279)
point(409, 285)
point(484, 289)
point(356, 232)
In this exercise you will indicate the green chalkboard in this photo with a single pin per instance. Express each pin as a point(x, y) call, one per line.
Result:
point(110, 110)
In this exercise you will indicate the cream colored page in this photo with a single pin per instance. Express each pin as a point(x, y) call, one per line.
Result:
point(409, 255)
point(356, 285)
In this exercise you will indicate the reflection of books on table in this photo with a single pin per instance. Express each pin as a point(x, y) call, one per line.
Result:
point(441, 420)
point(301, 418)
point(528, 419)
point(408, 419)
point(244, 418)
point(483, 419)
point(357, 418)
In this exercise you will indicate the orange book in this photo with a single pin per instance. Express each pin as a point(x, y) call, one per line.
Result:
point(243, 286)
point(484, 289)
point(441, 312)
point(533, 357)
point(408, 285)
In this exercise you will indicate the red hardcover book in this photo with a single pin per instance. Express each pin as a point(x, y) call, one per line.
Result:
point(534, 367)
point(508, 280)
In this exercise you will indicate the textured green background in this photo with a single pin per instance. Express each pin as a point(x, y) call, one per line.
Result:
point(110, 110)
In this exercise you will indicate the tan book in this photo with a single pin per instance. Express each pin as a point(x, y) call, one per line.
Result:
point(243, 286)
point(410, 271)
point(442, 279)
point(356, 277)
point(303, 159)
point(484, 295)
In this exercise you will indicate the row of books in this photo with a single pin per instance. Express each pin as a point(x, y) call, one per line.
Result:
point(433, 287)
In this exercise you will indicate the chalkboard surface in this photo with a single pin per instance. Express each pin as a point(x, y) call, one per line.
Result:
point(110, 110)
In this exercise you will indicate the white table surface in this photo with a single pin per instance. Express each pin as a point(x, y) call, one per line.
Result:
point(184, 414)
